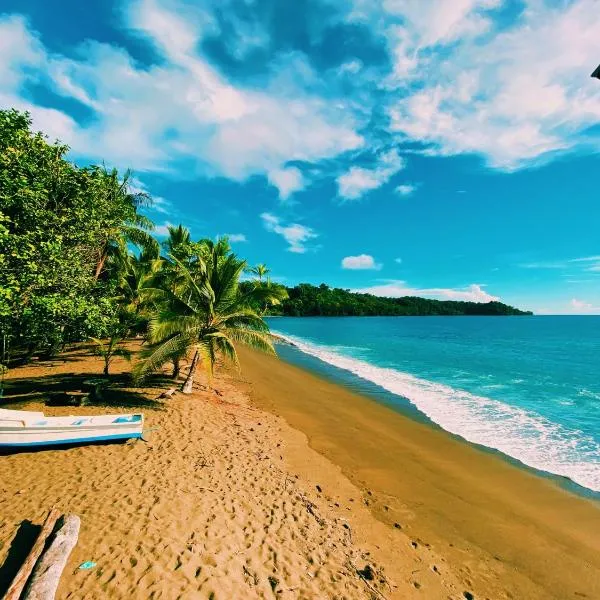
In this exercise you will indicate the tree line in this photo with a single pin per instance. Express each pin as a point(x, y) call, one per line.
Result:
point(308, 300)
point(78, 261)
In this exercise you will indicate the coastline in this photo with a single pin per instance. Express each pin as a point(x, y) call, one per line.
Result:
point(275, 481)
point(499, 524)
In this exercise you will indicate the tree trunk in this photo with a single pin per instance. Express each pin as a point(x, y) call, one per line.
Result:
point(176, 368)
point(15, 590)
point(188, 385)
point(106, 365)
point(47, 572)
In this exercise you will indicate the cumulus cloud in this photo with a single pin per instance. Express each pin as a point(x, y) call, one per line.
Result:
point(360, 262)
point(358, 180)
point(582, 307)
point(502, 94)
point(295, 234)
point(287, 181)
point(466, 77)
point(181, 111)
point(406, 189)
point(398, 289)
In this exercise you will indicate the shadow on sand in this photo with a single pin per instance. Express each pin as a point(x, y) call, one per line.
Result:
point(118, 393)
point(17, 553)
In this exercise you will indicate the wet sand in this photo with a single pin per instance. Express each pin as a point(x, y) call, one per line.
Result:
point(506, 532)
point(278, 484)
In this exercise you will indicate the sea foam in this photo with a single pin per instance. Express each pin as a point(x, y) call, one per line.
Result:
point(523, 435)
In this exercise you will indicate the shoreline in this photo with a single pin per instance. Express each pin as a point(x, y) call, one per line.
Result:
point(369, 389)
point(275, 481)
point(440, 487)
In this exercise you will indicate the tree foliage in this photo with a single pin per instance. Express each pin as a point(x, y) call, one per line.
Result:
point(309, 300)
point(61, 227)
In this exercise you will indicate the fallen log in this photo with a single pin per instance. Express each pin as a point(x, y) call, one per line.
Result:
point(16, 587)
point(167, 394)
point(47, 572)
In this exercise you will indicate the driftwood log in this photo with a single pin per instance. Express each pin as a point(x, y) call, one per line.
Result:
point(168, 393)
point(16, 587)
point(47, 572)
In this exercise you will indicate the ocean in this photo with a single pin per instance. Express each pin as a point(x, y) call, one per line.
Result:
point(528, 387)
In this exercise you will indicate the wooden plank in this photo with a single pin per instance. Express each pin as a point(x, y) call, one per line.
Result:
point(16, 587)
point(46, 575)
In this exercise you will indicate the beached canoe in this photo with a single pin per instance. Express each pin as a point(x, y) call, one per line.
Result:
point(21, 429)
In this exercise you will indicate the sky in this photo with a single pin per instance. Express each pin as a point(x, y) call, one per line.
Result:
point(440, 148)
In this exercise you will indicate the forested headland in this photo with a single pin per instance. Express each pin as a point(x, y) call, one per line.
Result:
point(309, 300)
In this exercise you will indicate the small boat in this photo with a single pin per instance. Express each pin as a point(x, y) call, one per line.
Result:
point(23, 429)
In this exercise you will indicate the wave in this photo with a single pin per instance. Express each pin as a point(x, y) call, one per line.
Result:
point(520, 434)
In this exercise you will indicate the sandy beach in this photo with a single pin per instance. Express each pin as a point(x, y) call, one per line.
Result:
point(275, 483)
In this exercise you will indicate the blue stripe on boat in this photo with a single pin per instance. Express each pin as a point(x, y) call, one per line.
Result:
point(130, 419)
point(100, 438)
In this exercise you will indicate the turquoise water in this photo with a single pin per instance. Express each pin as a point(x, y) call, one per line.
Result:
point(526, 386)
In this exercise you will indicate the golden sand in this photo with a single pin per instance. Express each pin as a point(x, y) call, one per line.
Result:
point(227, 500)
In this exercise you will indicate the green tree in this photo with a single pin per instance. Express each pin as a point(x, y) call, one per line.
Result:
point(111, 347)
point(60, 227)
point(204, 314)
point(121, 223)
point(261, 270)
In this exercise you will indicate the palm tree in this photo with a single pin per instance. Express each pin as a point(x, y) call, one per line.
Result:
point(266, 294)
point(178, 243)
point(260, 270)
point(110, 348)
point(126, 226)
point(204, 313)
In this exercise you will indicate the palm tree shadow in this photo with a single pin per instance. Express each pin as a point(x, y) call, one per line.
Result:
point(17, 553)
point(60, 389)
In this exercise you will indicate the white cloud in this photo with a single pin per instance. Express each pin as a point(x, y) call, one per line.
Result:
point(398, 260)
point(294, 234)
point(236, 237)
point(287, 181)
point(503, 94)
point(582, 307)
point(406, 189)
point(163, 230)
point(358, 180)
point(179, 111)
point(585, 263)
point(360, 262)
point(397, 289)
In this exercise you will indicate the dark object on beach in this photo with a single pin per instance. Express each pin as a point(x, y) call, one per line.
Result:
point(95, 388)
point(67, 399)
point(596, 73)
point(15, 590)
point(397, 526)
point(319, 489)
point(366, 573)
point(468, 596)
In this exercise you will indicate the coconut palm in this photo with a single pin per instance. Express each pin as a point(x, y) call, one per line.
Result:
point(260, 270)
point(109, 348)
point(127, 226)
point(204, 314)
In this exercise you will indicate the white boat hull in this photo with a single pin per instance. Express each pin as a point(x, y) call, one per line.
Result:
point(31, 432)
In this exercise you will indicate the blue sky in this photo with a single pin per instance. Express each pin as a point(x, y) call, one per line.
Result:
point(426, 147)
